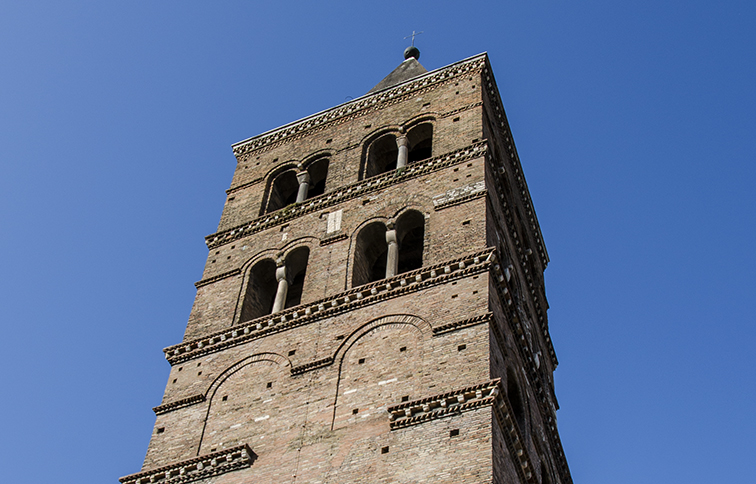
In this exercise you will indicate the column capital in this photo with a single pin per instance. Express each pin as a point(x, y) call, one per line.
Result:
point(281, 273)
point(391, 237)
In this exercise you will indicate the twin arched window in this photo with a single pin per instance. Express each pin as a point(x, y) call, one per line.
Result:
point(388, 152)
point(297, 185)
point(382, 251)
point(275, 286)
point(392, 150)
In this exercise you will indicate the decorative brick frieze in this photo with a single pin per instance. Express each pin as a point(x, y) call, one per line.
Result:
point(356, 297)
point(510, 226)
point(210, 280)
point(360, 106)
point(347, 192)
point(298, 370)
point(201, 467)
point(545, 407)
point(184, 402)
point(446, 404)
point(465, 323)
point(333, 238)
point(512, 436)
point(501, 119)
point(458, 195)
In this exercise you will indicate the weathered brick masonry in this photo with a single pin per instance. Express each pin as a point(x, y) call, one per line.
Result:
point(388, 325)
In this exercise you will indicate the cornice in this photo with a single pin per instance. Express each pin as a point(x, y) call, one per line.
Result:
point(359, 107)
point(210, 280)
point(545, 407)
point(372, 293)
point(201, 467)
point(333, 239)
point(520, 255)
point(513, 438)
point(459, 195)
point(244, 185)
point(443, 405)
point(313, 365)
point(347, 192)
point(503, 124)
point(184, 402)
point(474, 105)
point(465, 323)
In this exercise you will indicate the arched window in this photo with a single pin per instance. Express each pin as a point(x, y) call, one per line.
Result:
point(410, 232)
point(261, 290)
point(370, 254)
point(318, 171)
point(381, 156)
point(420, 140)
point(283, 191)
point(296, 268)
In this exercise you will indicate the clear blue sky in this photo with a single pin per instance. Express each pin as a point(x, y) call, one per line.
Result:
point(634, 121)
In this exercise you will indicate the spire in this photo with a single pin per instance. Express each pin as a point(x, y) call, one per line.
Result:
point(407, 70)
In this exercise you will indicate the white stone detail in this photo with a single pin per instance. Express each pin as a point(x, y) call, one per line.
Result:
point(459, 192)
point(334, 221)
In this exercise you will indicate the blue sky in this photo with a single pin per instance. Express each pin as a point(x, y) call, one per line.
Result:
point(634, 122)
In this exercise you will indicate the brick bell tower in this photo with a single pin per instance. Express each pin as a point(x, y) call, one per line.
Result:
point(372, 308)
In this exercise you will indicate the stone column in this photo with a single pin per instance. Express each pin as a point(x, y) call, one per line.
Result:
point(283, 288)
point(304, 185)
point(401, 158)
point(392, 259)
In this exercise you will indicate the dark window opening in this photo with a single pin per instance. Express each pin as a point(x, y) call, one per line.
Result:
point(421, 142)
point(261, 290)
point(283, 191)
point(384, 450)
point(318, 171)
point(381, 156)
point(160, 430)
point(269, 384)
point(410, 233)
point(454, 433)
point(405, 398)
point(370, 255)
point(296, 269)
point(355, 411)
point(292, 352)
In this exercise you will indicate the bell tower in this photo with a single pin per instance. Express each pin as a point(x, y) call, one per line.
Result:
point(372, 308)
